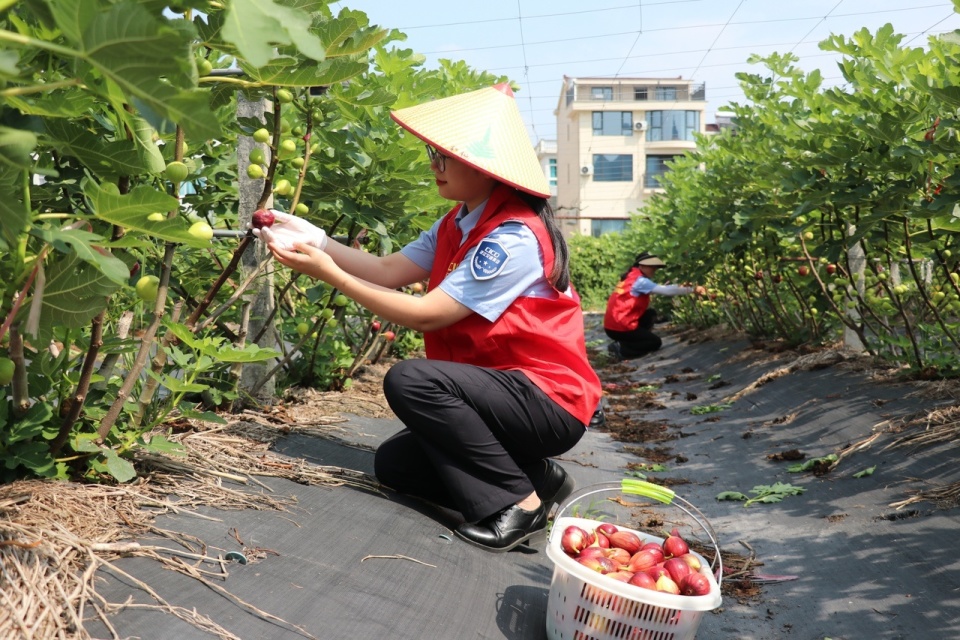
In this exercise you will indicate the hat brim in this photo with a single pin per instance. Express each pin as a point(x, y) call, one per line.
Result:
point(652, 262)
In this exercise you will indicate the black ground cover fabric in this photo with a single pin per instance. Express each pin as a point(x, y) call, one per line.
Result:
point(865, 570)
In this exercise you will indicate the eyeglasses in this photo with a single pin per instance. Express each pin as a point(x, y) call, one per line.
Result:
point(437, 158)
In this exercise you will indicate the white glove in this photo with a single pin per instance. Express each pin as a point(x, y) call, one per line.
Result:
point(288, 230)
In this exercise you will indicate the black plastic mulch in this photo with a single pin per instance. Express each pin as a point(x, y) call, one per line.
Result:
point(864, 569)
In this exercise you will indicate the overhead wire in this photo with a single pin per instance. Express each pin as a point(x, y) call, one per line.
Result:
point(636, 40)
point(927, 30)
point(526, 69)
point(529, 64)
point(719, 33)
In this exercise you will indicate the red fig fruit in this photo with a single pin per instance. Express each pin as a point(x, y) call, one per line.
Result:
point(643, 580)
point(631, 542)
point(599, 564)
point(695, 584)
point(674, 545)
point(677, 568)
point(591, 552)
point(620, 556)
point(263, 218)
point(607, 529)
point(602, 541)
point(594, 564)
point(657, 550)
point(573, 540)
point(643, 560)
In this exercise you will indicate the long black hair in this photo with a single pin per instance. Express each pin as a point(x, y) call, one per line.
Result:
point(559, 276)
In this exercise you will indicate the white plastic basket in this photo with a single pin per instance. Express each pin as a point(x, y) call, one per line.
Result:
point(585, 605)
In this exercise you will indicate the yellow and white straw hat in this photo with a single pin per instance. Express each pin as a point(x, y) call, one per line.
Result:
point(482, 129)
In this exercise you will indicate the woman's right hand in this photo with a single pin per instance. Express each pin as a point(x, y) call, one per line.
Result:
point(307, 259)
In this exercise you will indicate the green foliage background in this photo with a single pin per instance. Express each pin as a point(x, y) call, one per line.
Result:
point(100, 96)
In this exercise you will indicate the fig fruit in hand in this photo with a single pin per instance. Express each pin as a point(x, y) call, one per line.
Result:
point(263, 218)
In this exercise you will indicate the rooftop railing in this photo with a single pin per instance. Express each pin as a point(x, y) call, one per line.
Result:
point(634, 92)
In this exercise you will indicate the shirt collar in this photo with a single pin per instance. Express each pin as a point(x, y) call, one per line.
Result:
point(467, 220)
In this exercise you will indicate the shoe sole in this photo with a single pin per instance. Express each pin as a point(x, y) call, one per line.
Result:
point(540, 535)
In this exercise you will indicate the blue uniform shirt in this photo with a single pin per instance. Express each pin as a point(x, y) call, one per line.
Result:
point(642, 286)
point(517, 271)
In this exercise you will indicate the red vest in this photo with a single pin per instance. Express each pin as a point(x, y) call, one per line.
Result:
point(542, 337)
point(624, 310)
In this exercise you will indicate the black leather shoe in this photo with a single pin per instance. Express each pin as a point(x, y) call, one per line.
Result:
point(599, 418)
point(506, 529)
point(555, 487)
point(614, 350)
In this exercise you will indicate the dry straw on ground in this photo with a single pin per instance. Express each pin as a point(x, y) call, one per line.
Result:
point(57, 537)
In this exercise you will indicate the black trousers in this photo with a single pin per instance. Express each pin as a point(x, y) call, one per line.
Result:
point(641, 340)
point(476, 439)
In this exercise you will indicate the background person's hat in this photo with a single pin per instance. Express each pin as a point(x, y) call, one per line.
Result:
point(649, 260)
point(482, 129)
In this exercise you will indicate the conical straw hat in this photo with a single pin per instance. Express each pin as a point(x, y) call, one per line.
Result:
point(482, 129)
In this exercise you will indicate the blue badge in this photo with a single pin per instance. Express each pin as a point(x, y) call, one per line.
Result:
point(489, 259)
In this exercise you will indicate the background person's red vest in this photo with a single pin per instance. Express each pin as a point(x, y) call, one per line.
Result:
point(542, 337)
point(624, 310)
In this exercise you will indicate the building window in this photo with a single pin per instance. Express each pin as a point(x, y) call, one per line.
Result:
point(672, 125)
point(608, 167)
point(570, 94)
point(601, 93)
point(656, 168)
point(612, 123)
point(553, 172)
point(666, 93)
point(639, 93)
point(600, 227)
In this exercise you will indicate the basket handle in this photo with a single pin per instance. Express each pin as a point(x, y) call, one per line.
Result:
point(646, 489)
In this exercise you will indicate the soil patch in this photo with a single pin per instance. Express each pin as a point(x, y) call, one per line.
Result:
point(364, 397)
point(627, 429)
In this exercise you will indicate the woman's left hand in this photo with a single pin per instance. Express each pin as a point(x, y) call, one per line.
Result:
point(306, 259)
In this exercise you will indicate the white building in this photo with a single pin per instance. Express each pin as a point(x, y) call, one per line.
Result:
point(547, 154)
point(614, 138)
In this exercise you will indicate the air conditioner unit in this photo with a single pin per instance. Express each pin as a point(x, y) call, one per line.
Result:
point(586, 170)
point(641, 125)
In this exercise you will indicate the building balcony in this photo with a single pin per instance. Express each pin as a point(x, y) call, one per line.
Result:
point(632, 92)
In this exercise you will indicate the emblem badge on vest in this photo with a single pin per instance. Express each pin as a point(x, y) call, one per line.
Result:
point(489, 259)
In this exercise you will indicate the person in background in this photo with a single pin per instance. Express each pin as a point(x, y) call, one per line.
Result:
point(505, 384)
point(629, 318)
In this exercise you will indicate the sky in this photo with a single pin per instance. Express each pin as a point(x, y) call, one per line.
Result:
point(537, 42)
